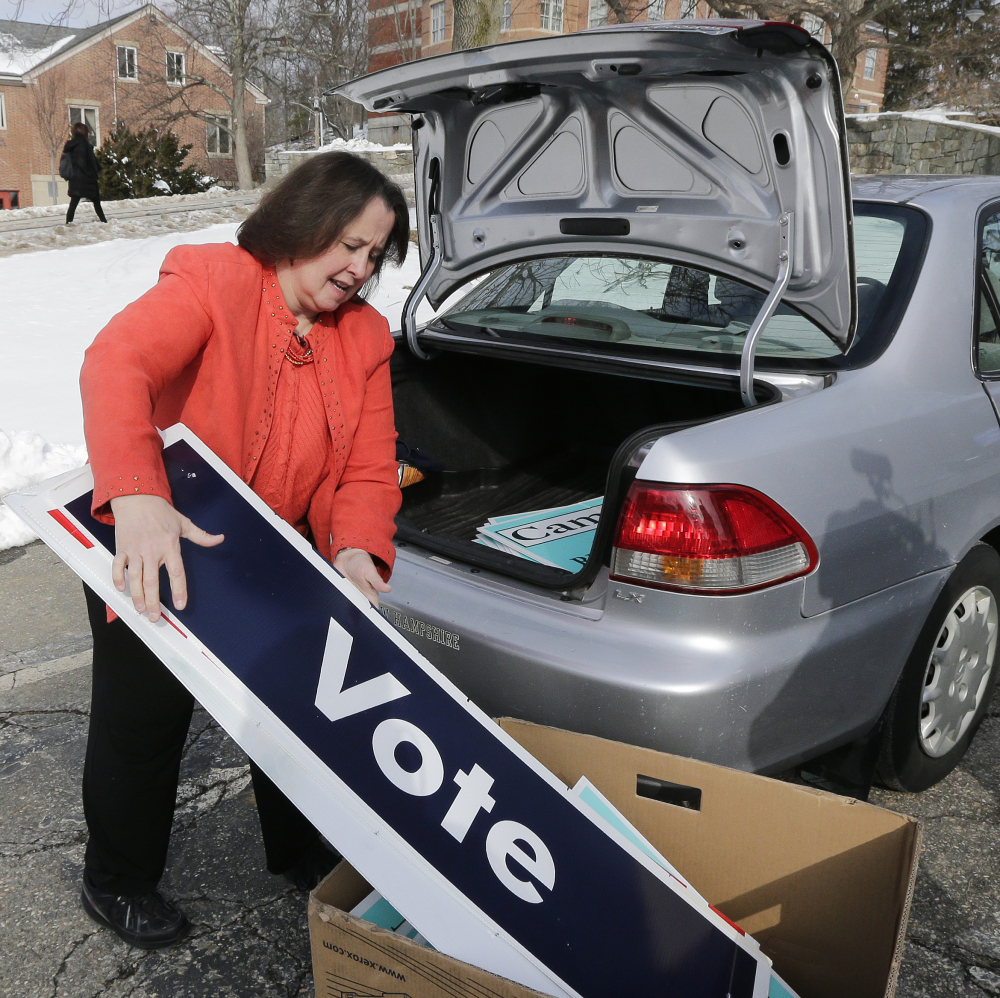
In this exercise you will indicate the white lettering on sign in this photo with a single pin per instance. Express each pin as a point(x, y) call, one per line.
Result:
point(501, 844)
point(331, 697)
point(427, 778)
point(472, 798)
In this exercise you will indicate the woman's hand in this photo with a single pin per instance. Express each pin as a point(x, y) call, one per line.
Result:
point(148, 532)
point(357, 565)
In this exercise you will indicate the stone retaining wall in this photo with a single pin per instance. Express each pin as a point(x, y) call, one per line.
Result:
point(899, 143)
point(397, 164)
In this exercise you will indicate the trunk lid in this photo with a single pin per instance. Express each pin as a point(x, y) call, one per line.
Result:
point(688, 141)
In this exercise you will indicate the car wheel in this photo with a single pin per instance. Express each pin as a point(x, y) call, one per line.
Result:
point(948, 680)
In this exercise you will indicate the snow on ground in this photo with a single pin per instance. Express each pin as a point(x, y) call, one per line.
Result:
point(340, 145)
point(360, 145)
point(25, 459)
point(52, 305)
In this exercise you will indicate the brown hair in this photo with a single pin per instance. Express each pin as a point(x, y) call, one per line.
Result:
point(80, 128)
point(302, 216)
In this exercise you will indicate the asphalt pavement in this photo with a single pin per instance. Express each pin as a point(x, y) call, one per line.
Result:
point(250, 934)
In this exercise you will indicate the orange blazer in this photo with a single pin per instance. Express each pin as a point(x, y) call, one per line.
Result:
point(197, 349)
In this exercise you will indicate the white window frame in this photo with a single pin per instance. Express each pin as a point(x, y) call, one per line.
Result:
point(552, 16)
point(439, 28)
point(95, 126)
point(217, 128)
point(505, 17)
point(597, 13)
point(689, 8)
point(3, 112)
point(871, 63)
point(176, 81)
point(119, 49)
point(816, 27)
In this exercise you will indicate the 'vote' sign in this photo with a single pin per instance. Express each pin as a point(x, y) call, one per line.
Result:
point(466, 834)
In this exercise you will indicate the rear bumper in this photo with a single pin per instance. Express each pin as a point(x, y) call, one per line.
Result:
point(743, 681)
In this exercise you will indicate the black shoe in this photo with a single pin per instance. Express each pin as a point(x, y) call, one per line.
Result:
point(146, 921)
point(312, 866)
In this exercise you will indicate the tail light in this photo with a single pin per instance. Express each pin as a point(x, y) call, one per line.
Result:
point(708, 539)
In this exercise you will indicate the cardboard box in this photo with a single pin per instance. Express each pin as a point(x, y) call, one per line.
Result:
point(822, 882)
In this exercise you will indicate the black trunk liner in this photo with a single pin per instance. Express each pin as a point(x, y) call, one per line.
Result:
point(440, 505)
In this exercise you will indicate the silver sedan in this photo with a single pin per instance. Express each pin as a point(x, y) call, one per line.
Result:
point(780, 400)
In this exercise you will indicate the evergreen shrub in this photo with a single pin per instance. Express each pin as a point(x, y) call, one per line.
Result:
point(146, 163)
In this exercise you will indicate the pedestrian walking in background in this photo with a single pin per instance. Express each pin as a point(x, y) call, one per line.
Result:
point(83, 182)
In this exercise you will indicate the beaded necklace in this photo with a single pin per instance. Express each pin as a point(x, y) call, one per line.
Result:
point(299, 351)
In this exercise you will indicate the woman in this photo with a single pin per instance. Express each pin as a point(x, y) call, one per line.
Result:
point(267, 353)
point(83, 183)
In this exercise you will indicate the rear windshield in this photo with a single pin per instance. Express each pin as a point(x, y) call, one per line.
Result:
point(647, 306)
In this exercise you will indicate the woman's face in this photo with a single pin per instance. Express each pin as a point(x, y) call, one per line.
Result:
point(325, 282)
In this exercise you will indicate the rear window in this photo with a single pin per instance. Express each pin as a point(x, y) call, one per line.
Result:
point(655, 308)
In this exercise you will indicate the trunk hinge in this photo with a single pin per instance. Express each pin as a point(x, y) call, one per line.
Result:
point(417, 294)
point(433, 264)
point(786, 244)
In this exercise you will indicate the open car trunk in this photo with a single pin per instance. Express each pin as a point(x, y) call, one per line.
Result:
point(513, 437)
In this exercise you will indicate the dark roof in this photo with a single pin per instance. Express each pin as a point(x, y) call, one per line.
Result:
point(35, 36)
point(39, 36)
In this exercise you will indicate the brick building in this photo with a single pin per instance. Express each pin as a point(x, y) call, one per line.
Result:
point(400, 30)
point(140, 69)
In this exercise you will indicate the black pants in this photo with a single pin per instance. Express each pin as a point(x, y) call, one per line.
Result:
point(74, 201)
point(139, 721)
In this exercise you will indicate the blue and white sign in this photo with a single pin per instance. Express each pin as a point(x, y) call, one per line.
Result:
point(464, 832)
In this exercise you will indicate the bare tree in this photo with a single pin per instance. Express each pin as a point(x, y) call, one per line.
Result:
point(846, 19)
point(476, 22)
point(244, 33)
point(403, 25)
point(49, 113)
point(327, 44)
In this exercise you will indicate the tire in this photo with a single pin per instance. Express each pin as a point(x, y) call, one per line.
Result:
point(947, 683)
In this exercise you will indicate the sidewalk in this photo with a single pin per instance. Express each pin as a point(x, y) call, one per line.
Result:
point(250, 938)
point(28, 230)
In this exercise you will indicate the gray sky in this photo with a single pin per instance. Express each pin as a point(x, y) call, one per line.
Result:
point(72, 13)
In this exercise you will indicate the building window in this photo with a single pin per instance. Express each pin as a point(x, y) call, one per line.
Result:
point(437, 22)
point(815, 25)
point(689, 8)
point(505, 16)
point(552, 15)
point(217, 138)
point(88, 115)
point(598, 14)
point(654, 12)
point(126, 63)
point(175, 67)
point(3, 112)
point(871, 58)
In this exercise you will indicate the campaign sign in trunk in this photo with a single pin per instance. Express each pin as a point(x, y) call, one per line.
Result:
point(448, 817)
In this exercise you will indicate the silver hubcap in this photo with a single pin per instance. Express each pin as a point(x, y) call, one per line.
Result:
point(958, 671)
